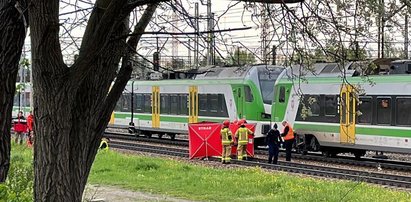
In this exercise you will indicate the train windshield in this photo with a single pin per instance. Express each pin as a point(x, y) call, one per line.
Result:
point(267, 79)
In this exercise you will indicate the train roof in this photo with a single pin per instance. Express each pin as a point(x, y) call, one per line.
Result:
point(335, 73)
point(222, 75)
point(323, 70)
point(237, 72)
point(397, 78)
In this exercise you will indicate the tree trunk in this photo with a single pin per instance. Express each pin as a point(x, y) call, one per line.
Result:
point(12, 35)
point(72, 106)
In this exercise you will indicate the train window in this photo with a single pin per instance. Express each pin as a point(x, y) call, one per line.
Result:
point(202, 105)
point(164, 104)
point(174, 104)
point(403, 111)
point(281, 96)
point(139, 103)
point(223, 105)
point(314, 104)
point(147, 103)
point(351, 109)
point(343, 108)
point(183, 104)
point(26, 99)
point(117, 108)
point(126, 107)
point(383, 110)
point(365, 109)
point(248, 94)
point(212, 103)
point(330, 105)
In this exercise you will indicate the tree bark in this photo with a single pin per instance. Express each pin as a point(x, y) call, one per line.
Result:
point(12, 35)
point(71, 105)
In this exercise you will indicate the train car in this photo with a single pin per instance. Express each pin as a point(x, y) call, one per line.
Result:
point(336, 114)
point(168, 106)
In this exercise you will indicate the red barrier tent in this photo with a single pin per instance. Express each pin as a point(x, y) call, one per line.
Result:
point(205, 140)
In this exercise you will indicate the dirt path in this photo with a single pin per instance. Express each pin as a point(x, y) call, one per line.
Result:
point(96, 193)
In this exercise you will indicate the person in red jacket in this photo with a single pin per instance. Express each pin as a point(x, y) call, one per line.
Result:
point(20, 127)
point(30, 126)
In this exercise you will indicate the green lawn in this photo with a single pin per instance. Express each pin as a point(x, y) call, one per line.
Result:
point(180, 179)
point(183, 180)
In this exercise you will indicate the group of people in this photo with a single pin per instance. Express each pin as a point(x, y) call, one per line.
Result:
point(273, 139)
point(24, 128)
point(240, 139)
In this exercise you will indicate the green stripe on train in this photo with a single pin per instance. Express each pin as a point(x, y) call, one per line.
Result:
point(388, 132)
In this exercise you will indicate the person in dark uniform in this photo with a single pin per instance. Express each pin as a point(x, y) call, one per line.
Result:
point(273, 141)
point(288, 135)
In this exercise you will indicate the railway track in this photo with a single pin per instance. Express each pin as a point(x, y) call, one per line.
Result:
point(364, 162)
point(314, 170)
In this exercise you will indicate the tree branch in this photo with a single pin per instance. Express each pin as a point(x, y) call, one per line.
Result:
point(126, 68)
point(100, 37)
point(130, 6)
point(273, 1)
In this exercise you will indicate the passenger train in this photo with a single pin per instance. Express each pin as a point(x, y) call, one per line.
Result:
point(330, 112)
point(220, 93)
point(334, 113)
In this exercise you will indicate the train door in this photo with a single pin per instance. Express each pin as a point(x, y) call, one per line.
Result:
point(239, 102)
point(347, 114)
point(155, 107)
point(193, 104)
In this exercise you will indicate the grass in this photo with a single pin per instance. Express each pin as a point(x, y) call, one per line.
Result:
point(180, 179)
point(19, 184)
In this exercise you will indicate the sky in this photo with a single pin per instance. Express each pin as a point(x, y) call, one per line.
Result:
point(235, 17)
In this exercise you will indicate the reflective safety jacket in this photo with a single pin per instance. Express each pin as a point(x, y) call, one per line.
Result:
point(226, 136)
point(290, 133)
point(103, 145)
point(242, 135)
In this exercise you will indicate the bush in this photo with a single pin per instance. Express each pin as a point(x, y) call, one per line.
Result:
point(19, 184)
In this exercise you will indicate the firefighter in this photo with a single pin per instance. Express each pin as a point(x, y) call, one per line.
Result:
point(288, 136)
point(30, 124)
point(241, 136)
point(104, 144)
point(226, 141)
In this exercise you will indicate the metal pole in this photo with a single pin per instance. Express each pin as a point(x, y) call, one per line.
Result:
point(274, 55)
point(212, 48)
point(132, 101)
point(238, 56)
point(406, 37)
point(209, 36)
point(357, 51)
point(189, 53)
point(382, 28)
point(197, 27)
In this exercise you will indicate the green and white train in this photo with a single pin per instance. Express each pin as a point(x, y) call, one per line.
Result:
point(356, 114)
point(220, 93)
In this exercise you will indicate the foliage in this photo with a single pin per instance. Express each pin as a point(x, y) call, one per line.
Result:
point(240, 57)
point(194, 182)
point(19, 184)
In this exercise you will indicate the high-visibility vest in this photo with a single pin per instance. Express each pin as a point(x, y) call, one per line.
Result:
point(225, 136)
point(290, 134)
point(103, 145)
point(242, 135)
